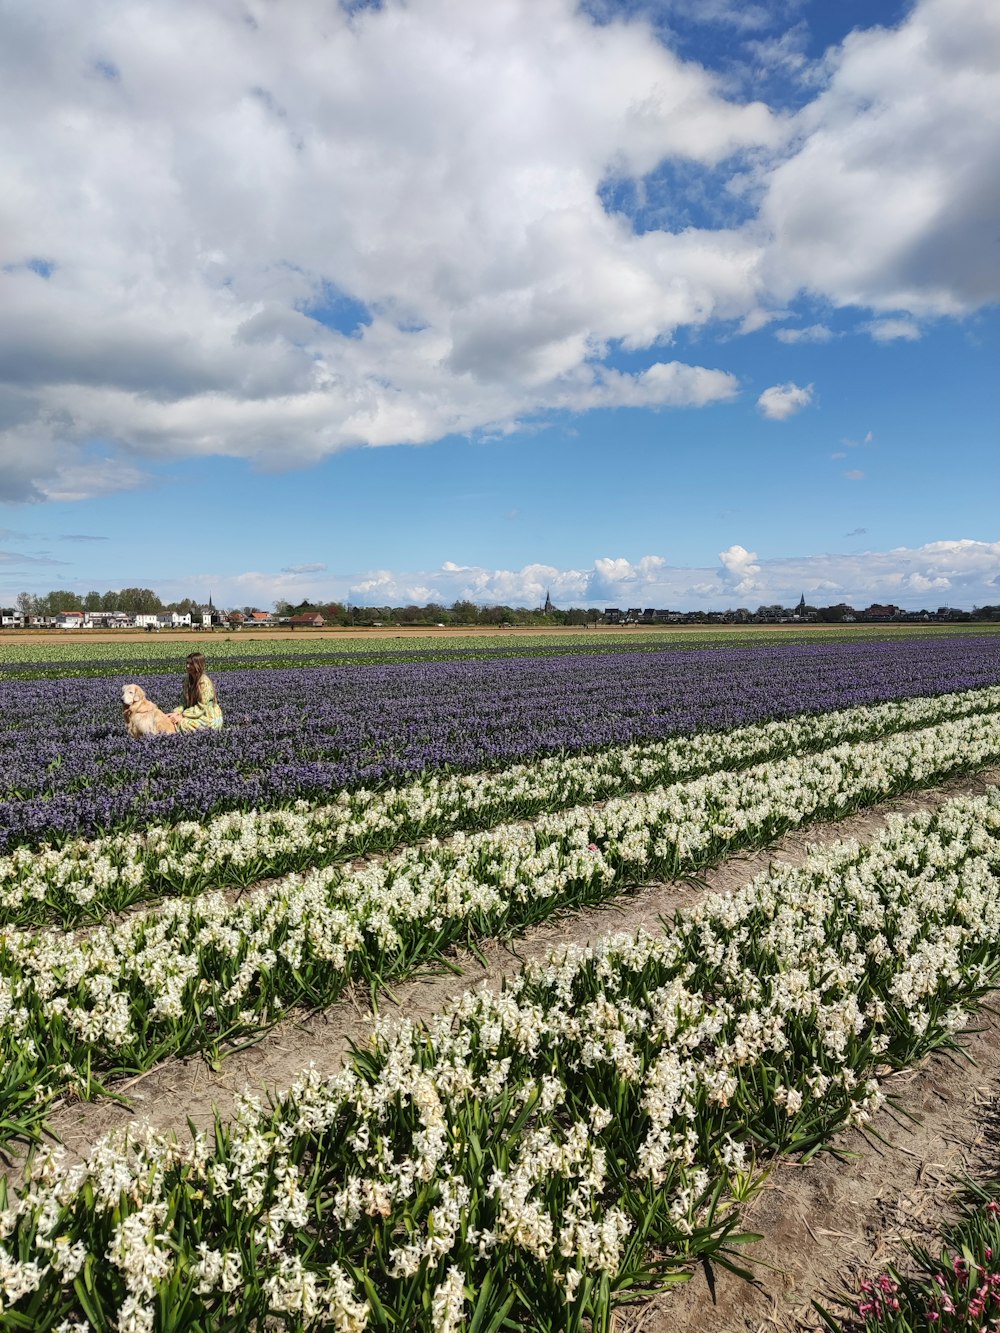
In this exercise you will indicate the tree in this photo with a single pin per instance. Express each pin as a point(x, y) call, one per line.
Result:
point(59, 600)
point(465, 613)
point(26, 604)
point(138, 601)
point(836, 612)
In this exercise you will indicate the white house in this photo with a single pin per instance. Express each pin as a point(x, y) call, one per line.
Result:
point(107, 620)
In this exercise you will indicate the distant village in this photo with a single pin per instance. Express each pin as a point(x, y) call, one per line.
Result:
point(141, 609)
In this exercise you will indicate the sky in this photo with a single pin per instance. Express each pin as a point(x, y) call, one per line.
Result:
point(673, 303)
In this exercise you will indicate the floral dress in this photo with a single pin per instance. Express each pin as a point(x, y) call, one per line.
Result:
point(205, 714)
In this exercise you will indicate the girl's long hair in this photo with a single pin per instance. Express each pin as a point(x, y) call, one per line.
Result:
point(195, 671)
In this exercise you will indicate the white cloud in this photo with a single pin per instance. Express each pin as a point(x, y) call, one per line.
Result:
point(317, 568)
point(784, 400)
point(891, 198)
point(91, 477)
point(892, 330)
point(740, 569)
point(205, 185)
point(815, 333)
point(959, 572)
point(276, 232)
point(854, 474)
point(963, 572)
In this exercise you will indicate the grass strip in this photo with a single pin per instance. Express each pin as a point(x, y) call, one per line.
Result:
point(87, 880)
point(532, 1157)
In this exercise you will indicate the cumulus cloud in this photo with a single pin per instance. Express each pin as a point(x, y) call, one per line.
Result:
point(958, 572)
point(815, 333)
point(893, 330)
point(280, 236)
point(961, 572)
point(784, 400)
point(275, 233)
point(891, 197)
point(740, 570)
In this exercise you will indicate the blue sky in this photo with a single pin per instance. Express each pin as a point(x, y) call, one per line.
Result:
point(653, 303)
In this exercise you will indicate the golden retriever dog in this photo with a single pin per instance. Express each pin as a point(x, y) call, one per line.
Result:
point(142, 717)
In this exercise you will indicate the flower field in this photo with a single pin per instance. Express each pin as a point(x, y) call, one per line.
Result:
point(68, 767)
point(97, 655)
point(537, 1152)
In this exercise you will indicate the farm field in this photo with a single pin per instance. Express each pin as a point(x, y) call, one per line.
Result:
point(724, 902)
point(26, 653)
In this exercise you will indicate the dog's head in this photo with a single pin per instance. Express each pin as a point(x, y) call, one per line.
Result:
point(133, 694)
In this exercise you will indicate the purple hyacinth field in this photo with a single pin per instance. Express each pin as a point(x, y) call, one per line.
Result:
point(68, 767)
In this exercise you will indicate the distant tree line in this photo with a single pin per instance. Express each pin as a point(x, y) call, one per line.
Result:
point(144, 601)
point(128, 601)
point(435, 613)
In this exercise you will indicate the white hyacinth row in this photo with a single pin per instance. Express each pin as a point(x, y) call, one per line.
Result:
point(525, 1153)
point(195, 973)
point(90, 878)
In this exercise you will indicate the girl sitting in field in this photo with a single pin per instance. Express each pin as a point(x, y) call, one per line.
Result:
point(201, 711)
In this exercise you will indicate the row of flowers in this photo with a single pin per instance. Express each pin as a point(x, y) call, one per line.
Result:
point(88, 879)
point(194, 974)
point(537, 1154)
point(69, 769)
